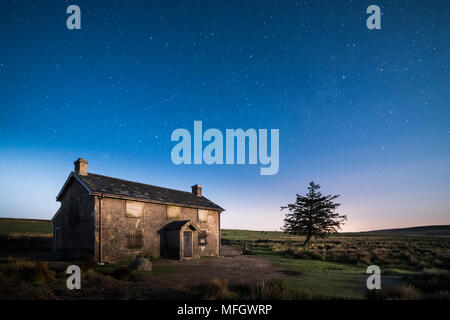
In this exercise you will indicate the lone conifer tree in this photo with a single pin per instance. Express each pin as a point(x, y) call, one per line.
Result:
point(313, 215)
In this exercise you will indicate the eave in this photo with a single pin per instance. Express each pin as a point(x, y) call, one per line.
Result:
point(107, 195)
point(72, 175)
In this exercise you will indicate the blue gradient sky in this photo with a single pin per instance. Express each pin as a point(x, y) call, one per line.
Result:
point(364, 113)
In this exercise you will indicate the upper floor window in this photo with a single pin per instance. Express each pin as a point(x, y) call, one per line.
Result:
point(173, 213)
point(134, 209)
point(202, 215)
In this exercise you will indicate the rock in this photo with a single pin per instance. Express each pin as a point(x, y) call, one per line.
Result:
point(140, 264)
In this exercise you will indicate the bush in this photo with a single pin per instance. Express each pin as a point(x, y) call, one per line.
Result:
point(122, 274)
point(217, 289)
point(24, 243)
point(301, 295)
point(432, 280)
point(397, 292)
point(277, 247)
point(21, 270)
point(435, 274)
point(440, 295)
point(267, 290)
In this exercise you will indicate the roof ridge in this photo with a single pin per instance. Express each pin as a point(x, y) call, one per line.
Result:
point(145, 184)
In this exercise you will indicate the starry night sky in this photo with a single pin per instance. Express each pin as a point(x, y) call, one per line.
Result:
point(365, 113)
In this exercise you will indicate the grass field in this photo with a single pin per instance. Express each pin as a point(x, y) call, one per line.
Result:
point(412, 266)
point(25, 226)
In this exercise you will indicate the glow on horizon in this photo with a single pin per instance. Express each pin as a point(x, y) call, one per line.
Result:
point(29, 186)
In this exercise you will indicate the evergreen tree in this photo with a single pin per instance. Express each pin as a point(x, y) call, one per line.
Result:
point(313, 215)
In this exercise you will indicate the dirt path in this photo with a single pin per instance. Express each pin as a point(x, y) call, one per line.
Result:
point(233, 266)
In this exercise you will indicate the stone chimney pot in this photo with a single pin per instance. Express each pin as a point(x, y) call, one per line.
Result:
point(197, 190)
point(81, 166)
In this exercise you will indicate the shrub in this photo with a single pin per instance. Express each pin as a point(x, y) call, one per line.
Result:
point(88, 265)
point(114, 271)
point(364, 258)
point(436, 274)
point(277, 247)
point(217, 289)
point(122, 273)
point(29, 271)
point(301, 295)
point(397, 292)
point(403, 292)
point(432, 280)
point(268, 290)
point(24, 243)
point(301, 255)
point(440, 295)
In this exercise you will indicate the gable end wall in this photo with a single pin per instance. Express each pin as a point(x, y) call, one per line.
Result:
point(75, 223)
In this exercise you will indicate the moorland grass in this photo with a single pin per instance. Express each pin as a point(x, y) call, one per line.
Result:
point(25, 226)
point(412, 266)
point(23, 270)
point(387, 251)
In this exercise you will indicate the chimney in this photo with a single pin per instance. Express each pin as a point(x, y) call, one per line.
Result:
point(81, 166)
point(197, 190)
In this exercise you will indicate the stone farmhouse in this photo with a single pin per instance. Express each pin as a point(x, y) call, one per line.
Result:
point(107, 219)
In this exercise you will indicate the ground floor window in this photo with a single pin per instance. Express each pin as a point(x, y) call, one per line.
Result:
point(202, 238)
point(135, 240)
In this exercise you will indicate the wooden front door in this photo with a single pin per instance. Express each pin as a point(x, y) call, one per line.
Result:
point(187, 240)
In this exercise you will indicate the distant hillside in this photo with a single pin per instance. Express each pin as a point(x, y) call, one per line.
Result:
point(22, 226)
point(424, 230)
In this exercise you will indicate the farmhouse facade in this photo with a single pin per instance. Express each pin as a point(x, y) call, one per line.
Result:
point(108, 219)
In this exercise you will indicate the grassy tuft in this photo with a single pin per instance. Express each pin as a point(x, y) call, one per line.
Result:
point(22, 270)
point(218, 289)
point(268, 290)
point(397, 292)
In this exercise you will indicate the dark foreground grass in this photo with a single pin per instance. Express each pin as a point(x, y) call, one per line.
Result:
point(32, 279)
point(13, 244)
point(270, 289)
point(21, 270)
point(120, 270)
point(325, 279)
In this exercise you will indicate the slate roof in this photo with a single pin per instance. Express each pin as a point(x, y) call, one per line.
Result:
point(129, 189)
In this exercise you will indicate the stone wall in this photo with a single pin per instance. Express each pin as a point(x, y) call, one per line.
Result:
point(117, 225)
point(76, 223)
point(211, 226)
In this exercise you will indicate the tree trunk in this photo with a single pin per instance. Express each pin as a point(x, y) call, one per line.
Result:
point(308, 237)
